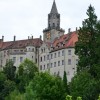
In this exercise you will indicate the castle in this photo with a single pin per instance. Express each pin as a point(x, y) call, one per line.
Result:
point(55, 53)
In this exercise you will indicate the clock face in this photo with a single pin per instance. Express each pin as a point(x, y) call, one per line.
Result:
point(48, 35)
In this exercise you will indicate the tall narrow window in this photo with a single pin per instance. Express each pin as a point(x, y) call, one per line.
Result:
point(40, 67)
point(69, 61)
point(58, 63)
point(14, 59)
point(47, 57)
point(69, 52)
point(54, 64)
point(59, 54)
point(41, 59)
point(62, 62)
point(63, 53)
point(53, 24)
point(51, 56)
point(55, 55)
point(21, 59)
point(44, 58)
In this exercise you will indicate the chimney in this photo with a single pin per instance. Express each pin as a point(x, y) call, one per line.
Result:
point(2, 38)
point(69, 30)
point(32, 37)
point(14, 38)
point(76, 29)
point(28, 37)
point(40, 37)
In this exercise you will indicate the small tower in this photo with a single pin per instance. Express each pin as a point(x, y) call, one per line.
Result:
point(53, 30)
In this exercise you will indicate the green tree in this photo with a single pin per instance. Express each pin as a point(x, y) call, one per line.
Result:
point(15, 95)
point(45, 87)
point(65, 82)
point(9, 70)
point(2, 81)
point(88, 45)
point(84, 85)
point(68, 97)
point(25, 74)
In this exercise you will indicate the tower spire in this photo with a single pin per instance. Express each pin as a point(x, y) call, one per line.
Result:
point(54, 8)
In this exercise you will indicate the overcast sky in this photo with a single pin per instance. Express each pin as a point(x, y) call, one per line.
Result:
point(24, 18)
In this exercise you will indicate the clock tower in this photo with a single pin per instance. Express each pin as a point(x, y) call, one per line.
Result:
point(53, 30)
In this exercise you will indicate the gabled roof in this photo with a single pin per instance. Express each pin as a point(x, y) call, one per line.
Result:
point(20, 43)
point(54, 8)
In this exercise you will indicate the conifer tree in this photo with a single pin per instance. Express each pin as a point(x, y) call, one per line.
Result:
point(86, 47)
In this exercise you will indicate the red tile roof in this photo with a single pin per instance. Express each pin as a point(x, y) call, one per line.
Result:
point(20, 43)
point(65, 41)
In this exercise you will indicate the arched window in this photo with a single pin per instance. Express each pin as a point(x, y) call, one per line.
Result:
point(53, 24)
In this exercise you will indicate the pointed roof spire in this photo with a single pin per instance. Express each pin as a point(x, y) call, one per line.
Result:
point(54, 8)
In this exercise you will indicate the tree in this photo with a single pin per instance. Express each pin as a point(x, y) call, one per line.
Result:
point(2, 81)
point(65, 82)
point(45, 87)
point(25, 74)
point(84, 85)
point(88, 43)
point(15, 95)
point(9, 70)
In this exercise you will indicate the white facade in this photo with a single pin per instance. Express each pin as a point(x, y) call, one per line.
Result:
point(58, 61)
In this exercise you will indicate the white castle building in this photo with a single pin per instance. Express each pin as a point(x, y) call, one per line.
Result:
point(55, 53)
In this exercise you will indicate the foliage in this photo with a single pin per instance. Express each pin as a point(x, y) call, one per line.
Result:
point(88, 45)
point(84, 85)
point(68, 97)
point(25, 74)
point(99, 97)
point(8, 87)
point(15, 95)
point(79, 98)
point(9, 70)
point(65, 82)
point(2, 81)
point(45, 87)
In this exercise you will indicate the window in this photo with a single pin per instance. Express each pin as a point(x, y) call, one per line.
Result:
point(58, 54)
point(58, 73)
point(44, 67)
point(62, 62)
point(54, 64)
point(51, 65)
point(69, 52)
point(68, 73)
point(21, 59)
point(14, 59)
point(47, 66)
point(40, 67)
point(58, 63)
point(33, 49)
point(47, 57)
point(44, 49)
point(44, 58)
point(69, 61)
point(41, 50)
point(41, 59)
point(55, 55)
point(29, 49)
point(53, 24)
point(63, 53)
point(21, 50)
point(51, 56)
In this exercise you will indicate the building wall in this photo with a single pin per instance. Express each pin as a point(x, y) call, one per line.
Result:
point(59, 61)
